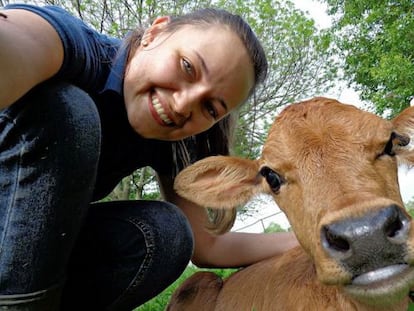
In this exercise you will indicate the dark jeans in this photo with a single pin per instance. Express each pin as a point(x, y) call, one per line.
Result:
point(102, 256)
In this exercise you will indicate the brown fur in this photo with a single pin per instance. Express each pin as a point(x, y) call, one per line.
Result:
point(200, 291)
point(331, 158)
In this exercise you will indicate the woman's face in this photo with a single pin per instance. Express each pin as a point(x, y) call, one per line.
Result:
point(182, 83)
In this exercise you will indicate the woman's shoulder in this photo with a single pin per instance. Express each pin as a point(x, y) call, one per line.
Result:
point(58, 17)
point(87, 52)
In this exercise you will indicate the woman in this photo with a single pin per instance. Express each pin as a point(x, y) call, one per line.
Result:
point(80, 112)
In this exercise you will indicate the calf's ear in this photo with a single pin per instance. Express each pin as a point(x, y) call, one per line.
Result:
point(219, 181)
point(404, 127)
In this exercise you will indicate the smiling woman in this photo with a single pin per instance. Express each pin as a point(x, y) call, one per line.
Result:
point(187, 90)
point(83, 110)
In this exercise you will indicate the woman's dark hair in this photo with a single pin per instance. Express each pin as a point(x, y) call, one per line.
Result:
point(216, 140)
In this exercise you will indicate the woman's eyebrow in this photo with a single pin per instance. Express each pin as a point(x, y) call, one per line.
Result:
point(223, 103)
point(202, 62)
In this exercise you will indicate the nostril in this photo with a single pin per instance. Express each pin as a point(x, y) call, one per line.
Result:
point(397, 225)
point(334, 241)
point(392, 228)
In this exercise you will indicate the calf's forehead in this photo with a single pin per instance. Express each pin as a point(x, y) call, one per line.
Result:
point(323, 128)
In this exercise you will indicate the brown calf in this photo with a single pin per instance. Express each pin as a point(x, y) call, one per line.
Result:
point(332, 169)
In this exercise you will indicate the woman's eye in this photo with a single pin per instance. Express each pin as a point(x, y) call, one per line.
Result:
point(274, 180)
point(211, 110)
point(188, 68)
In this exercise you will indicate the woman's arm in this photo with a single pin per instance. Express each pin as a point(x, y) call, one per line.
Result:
point(232, 249)
point(30, 52)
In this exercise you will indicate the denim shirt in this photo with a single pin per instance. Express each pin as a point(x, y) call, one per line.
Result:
point(96, 63)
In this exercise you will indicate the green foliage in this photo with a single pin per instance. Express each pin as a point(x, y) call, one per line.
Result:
point(410, 207)
point(141, 184)
point(300, 65)
point(274, 227)
point(376, 39)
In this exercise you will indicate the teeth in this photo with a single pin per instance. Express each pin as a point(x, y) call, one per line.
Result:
point(161, 113)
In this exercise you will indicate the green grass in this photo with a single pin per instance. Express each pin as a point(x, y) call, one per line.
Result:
point(159, 302)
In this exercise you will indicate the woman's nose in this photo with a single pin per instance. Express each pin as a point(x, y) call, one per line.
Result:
point(186, 101)
point(183, 106)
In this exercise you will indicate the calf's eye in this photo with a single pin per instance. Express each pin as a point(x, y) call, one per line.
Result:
point(388, 150)
point(274, 180)
point(394, 141)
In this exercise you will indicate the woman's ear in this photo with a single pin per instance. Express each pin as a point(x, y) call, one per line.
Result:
point(151, 32)
point(161, 20)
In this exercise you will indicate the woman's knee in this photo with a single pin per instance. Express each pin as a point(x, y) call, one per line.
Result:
point(49, 150)
point(161, 226)
point(148, 244)
point(53, 134)
point(66, 117)
point(54, 122)
point(169, 247)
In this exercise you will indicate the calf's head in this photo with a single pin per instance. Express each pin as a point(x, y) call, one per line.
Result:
point(332, 169)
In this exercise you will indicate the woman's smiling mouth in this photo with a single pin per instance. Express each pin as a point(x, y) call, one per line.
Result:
point(159, 111)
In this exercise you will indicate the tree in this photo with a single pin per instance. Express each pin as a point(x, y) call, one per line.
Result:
point(117, 17)
point(301, 64)
point(141, 184)
point(376, 39)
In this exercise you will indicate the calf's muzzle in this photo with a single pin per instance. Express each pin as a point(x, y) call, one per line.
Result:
point(376, 240)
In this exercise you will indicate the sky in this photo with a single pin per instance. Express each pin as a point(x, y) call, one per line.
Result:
point(270, 211)
point(316, 10)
